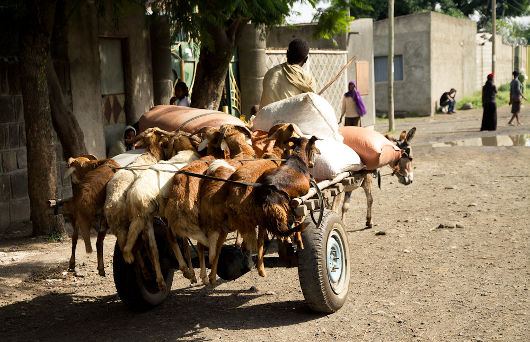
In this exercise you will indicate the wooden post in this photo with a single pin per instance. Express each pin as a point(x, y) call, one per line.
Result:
point(391, 65)
point(494, 31)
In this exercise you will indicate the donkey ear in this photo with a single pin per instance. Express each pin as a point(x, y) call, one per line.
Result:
point(410, 134)
point(402, 136)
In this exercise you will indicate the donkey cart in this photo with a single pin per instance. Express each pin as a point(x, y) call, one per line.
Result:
point(323, 262)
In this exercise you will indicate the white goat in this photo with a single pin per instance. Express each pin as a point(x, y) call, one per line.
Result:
point(147, 197)
point(115, 209)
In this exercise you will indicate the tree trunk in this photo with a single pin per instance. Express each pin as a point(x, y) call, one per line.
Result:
point(213, 66)
point(40, 145)
point(64, 121)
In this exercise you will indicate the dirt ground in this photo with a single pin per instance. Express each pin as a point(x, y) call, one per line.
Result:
point(416, 283)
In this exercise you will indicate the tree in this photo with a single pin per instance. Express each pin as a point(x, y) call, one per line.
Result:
point(218, 25)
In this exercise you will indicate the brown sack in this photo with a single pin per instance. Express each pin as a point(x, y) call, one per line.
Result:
point(374, 149)
point(169, 118)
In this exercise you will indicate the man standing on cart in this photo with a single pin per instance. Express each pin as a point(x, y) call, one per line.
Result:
point(288, 79)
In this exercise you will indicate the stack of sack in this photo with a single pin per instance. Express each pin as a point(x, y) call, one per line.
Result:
point(341, 149)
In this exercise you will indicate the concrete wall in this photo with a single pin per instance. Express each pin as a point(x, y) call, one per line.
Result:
point(84, 30)
point(360, 43)
point(453, 57)
point(411, 40)
point(503, 65)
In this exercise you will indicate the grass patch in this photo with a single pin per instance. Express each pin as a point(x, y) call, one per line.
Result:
point(502, 98)
point(55, 237)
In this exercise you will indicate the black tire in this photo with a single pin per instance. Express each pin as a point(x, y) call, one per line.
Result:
point(322, 292)
point(136, 292)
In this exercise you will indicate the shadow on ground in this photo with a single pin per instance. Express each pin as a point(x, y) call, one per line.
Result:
point(68, 316)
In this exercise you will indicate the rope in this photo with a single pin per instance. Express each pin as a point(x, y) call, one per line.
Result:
point(195, 117)
point(338, 75)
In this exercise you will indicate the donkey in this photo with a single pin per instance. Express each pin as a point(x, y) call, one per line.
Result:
point(401, 168)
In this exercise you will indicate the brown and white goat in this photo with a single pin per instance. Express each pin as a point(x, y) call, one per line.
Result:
point(90, 177)
point(401, 168)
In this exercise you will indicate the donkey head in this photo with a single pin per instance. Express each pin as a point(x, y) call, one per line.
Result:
point(402, 168)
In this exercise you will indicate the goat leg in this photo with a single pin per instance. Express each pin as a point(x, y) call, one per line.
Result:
point(153, 254)
point(75, 233)
point(215, 252)
point(83, 224)
point(187, 254)
point(346, 204)
point(261, 242)
point(99, 245)
point(135, 228)
point(188, 273)
point(299, 241)
point(369, 200)
point(203, 275)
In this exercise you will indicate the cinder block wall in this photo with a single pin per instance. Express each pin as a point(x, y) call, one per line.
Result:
point(14, 200)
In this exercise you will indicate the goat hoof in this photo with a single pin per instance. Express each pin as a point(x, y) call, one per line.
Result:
point(101, 273)
point(213, 279)
point(368, 225)
point(71, 268)
point(128, 257)
point(205, 281)
point(262, 273)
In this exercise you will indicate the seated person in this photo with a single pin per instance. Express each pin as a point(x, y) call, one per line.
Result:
point(448, 99)
point(124, 144)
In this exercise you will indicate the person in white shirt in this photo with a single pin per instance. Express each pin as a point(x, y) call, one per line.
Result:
point(352, 107)
point(181, 95)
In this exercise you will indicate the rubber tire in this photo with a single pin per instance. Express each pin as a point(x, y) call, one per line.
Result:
point(312, 265)
point(131, 286)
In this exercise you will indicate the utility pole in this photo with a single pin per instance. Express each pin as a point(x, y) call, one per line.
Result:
point(494, 30)
point(390, 65)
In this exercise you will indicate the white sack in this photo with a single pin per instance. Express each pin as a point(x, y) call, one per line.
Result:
point(334, 158)
point(311, 112)
point(128, 157)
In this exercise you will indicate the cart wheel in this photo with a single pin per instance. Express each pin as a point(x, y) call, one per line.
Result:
point(135, 291)
point(323, 266)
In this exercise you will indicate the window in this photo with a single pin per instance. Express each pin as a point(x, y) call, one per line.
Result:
point(381, 68)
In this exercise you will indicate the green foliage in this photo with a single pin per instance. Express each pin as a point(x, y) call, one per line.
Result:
point(502, 97)
point(55, 237)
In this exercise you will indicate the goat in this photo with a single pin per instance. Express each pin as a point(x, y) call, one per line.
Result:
point(147, 197)
point(115, 209)
point(213, 193)
point(279, 185)
point(402, 168)
point(184, 206)
point(240, 203)
point(90, 178)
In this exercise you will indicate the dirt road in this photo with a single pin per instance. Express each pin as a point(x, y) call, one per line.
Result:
point(416, 283)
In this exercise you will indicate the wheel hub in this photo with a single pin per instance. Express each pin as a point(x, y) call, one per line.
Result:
point(335, 261)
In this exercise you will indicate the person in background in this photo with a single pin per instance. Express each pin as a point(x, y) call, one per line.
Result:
point(181, 95)
point(352, 106)
point(489, 115)
point(288, 79)
point(516, 94)
point(448, 99)
point(124, 144)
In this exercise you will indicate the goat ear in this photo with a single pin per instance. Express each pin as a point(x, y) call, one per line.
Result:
point(70, 161)
point(89, 156)
point(313, 139)
point(202, 145)
point(410, 135)
point(296, 129)
point(69, 172)
point(224, 146)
